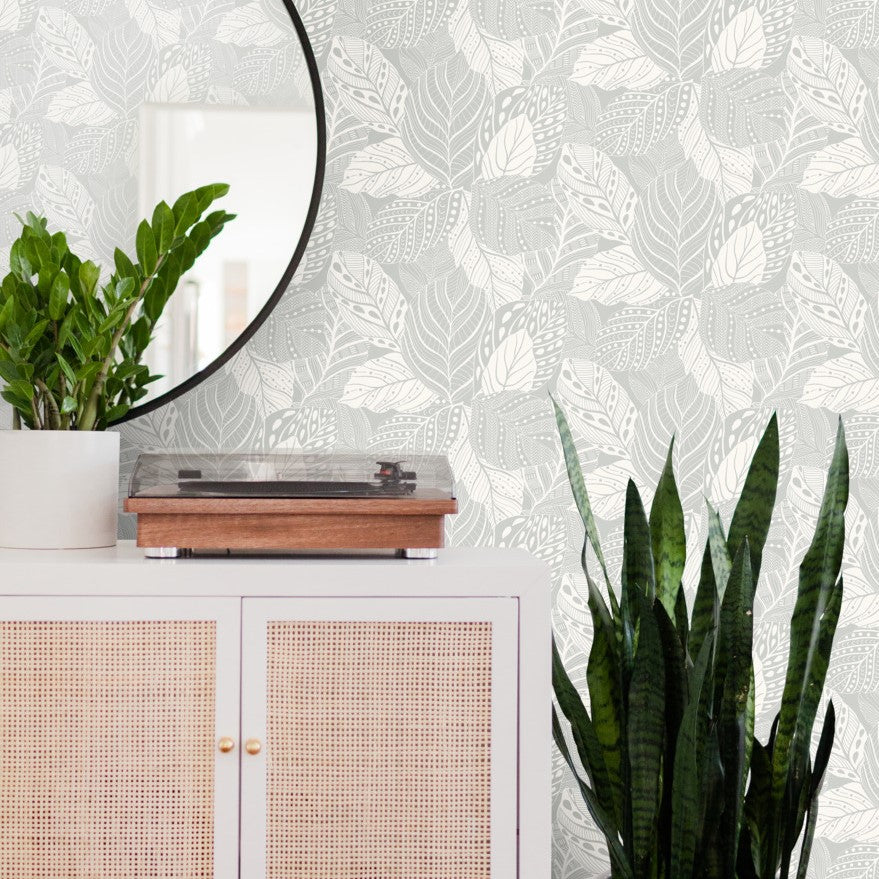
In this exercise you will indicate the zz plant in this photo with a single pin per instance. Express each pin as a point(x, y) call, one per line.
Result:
point(71, 347)
point(672, 773)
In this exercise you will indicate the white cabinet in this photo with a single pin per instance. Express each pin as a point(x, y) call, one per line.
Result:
point(388, 718)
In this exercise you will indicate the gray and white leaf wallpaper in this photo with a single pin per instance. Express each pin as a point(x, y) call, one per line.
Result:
point(666, 212)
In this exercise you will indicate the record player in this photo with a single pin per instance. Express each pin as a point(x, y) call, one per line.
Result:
point(213, 501)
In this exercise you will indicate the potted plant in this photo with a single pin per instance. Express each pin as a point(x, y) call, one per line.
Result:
point(70, 359)
point(669, 766)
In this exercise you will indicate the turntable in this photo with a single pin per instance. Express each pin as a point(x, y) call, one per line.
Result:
point(188, 501)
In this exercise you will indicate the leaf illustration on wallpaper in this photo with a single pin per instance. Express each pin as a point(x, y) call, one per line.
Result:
point(10, 170)
point(79, 104)
point(386, 384)
point(741, 43)
point(729, 384)
point(741, 259)
point(634, 337)
point(597, 190)
point(616, 276)
point(842, 384)
point(601, 410)
point(731, 170)
point(512, 151)
point(843, 168)
point(11, 16)
point(64, 41)
point(828, 84)
point(393, 25)
point(672, 31)
point(163, 23)
point(499, 62)
point(827, 299)
point(496, 273)
point(369, 299)
point(442, 120)
point(386, 168)
point(368, 84)
point(853, 234)
point(440, 340)
point(853, 24)
point(741, 108)
point(506, 431)
point(671, 226)
point(121, 67)
point(616, 60)
point(404, 229)
point(430, 434)
point(247, 25)
point(634, 122)
point(513, 215)
point(511, 366)
point(63, 197)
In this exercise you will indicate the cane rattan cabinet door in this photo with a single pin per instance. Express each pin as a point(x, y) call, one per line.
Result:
point(110, 714)
point(380, 738)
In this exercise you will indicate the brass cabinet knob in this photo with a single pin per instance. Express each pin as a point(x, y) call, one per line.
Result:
point(253, 746)
point(225, 744)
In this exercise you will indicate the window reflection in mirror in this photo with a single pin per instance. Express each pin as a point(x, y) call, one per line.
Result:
point(261, 152)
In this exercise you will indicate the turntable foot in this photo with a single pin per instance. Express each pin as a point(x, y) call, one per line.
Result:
point(164, 552)
point(419, 552)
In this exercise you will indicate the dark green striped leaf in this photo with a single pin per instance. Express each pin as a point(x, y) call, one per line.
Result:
point(734, 671)
point(758, 806)
point(605, 698)
point(646, 732)
point(668, 541)
point(706, 608)
point(687, 772)
point(819, 598)
point(753, 513)
point(620, 863)
point(822, 755)
point(637, 551)
point(581, 496)
point(721, 560)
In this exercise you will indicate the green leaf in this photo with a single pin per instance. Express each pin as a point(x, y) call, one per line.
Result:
point(637, 552)
point(687, 772)
point(605, 697)
point(186, 212)
point(588, 747)
point(58, 296)
point(68, 405)
point(124, 266)
point(620, 863)
point(645, 734)
point(758, 806)
point(822, 756)
point(89, 275)
point(668, 540)
point(146, 248)
point(706, 608)
point(734, 671)
point(163, 226)
point(753, 513)
point(819, 598)
point(66, 368)
point(721, 560)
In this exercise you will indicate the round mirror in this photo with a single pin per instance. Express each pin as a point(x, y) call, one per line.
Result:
point(117, 105)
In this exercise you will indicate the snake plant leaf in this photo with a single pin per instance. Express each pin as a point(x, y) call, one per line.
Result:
point(708, 863)
point(605, 696)
point(758, 806)
point(582, 730)
point(721, 560)
point(813, 624)
point(620, 863)
point(734, 668)
point(686, 777)
point(637, 549)
point(822, 756)
point(705, 606)
point(682, 622)
point(646, 732)
point(578, 489)
point(796, 799)
point(753, 513)
point(668, 541)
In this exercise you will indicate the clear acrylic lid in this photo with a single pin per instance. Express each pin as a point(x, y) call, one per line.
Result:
point(291, 475)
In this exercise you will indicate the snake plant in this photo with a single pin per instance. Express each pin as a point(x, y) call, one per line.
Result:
point(668, 763)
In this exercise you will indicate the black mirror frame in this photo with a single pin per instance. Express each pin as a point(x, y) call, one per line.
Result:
point(296, 258)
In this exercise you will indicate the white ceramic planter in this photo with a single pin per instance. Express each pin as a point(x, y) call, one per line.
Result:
point(58, 488)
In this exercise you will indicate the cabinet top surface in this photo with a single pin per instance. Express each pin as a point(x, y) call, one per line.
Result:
point(123, 570)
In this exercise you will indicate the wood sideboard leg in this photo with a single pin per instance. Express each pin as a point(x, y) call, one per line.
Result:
point(418, 552)
point(164, 552)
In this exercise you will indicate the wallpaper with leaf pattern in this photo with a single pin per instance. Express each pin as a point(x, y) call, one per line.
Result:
point(665, 211)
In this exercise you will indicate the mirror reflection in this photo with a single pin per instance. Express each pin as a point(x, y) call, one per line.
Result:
point(110, 106)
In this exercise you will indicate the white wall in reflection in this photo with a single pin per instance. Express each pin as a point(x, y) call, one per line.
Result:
point(268, 156)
